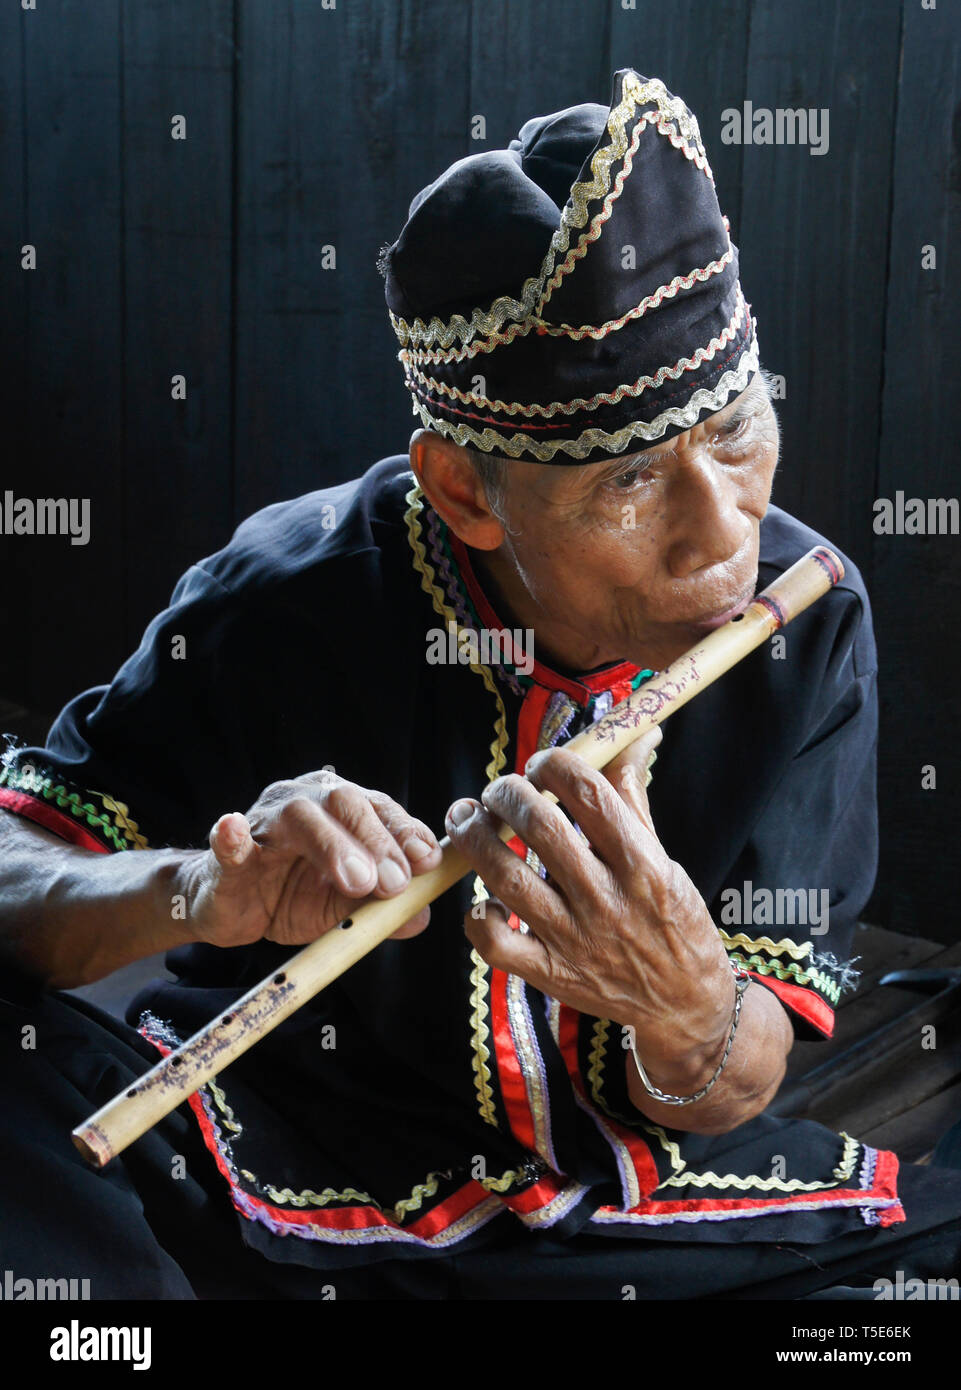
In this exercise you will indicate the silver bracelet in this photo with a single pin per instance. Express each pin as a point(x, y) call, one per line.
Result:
point(741, 981)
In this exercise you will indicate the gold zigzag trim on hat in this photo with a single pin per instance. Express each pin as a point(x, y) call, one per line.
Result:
point(630, 389)
point(663, 127)
point(673, 120)
point(489, 441)
point(438, 356)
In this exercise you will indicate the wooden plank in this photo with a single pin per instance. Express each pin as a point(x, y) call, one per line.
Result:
point(813, 236)
point(578, 70)
point(177, 292)
point(332, 162)
point(71, 383)
point(917, 578)
point(870, 1009)
point(914, 1133)
point(880, 951)
point(16, 673)
point(700, 53)
point(903, 1077)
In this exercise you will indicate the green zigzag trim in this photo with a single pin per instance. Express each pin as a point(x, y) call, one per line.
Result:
point(790, 972)
point(66, 801)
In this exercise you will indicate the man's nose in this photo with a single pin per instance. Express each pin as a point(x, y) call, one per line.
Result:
point(710, 526)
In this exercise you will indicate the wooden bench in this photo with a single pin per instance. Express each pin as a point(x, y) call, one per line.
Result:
point(891, 1075)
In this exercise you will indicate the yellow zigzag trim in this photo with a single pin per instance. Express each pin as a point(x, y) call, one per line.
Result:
point(841, 1173)
point(732, 382)
point(501, 1184)
point(309, 1198)
point(596, 1057)
point(439, 356)
point(479, 1035)
point(122, 820)
point(672, 1149)
point(631, 389)
point(536, 291)
point(414, 1201)
point(478, 977)
point(229, 1118)
point(784, 947)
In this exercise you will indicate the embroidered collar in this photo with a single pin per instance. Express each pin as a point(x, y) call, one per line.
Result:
point(602, 688)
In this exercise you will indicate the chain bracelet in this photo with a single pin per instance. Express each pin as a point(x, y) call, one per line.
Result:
point(741, 981)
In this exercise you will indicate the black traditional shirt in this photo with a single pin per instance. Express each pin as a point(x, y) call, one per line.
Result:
point(425, 1095)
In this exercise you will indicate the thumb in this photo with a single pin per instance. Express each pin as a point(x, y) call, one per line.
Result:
point(232, 842)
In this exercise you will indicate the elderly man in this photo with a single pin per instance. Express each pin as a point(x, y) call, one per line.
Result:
point(565, 1097)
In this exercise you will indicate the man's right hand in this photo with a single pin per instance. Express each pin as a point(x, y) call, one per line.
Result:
point(300, 860)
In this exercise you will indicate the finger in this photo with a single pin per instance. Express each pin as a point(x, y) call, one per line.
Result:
point(616, 834)
point(630, 772)
point(231, 841)
point(303, 828)
point(351, 808)
point(504, 872)
point(417, 841)
point(542, 825)
point(515, 952)
point(414, 927)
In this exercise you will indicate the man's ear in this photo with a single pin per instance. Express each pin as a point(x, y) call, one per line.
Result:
point(449, 481)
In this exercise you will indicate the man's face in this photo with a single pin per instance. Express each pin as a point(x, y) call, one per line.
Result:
point(639, 557)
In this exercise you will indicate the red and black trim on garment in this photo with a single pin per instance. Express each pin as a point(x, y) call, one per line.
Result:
point(86, 818)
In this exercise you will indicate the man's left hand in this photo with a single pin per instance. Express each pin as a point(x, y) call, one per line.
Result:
point(618, 931)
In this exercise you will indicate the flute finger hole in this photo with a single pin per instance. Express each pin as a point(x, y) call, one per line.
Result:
point(347, 922)
point(279, 979)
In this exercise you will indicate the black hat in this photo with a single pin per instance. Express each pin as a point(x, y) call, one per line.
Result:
point(576, 295)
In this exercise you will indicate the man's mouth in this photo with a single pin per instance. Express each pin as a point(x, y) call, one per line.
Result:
point(714, 620)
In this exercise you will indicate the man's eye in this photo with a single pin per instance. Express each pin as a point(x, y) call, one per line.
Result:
point(734, 429)
point(628, 479)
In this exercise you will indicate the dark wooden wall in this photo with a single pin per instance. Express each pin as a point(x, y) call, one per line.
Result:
point(309, 127)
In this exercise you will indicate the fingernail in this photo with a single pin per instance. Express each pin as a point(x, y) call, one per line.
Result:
point(356, 872)
point(534, 761)
point(460, 812)
point(417, 849)
point(391, 875)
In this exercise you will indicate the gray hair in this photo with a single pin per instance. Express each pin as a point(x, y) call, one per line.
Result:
point(491, 469)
